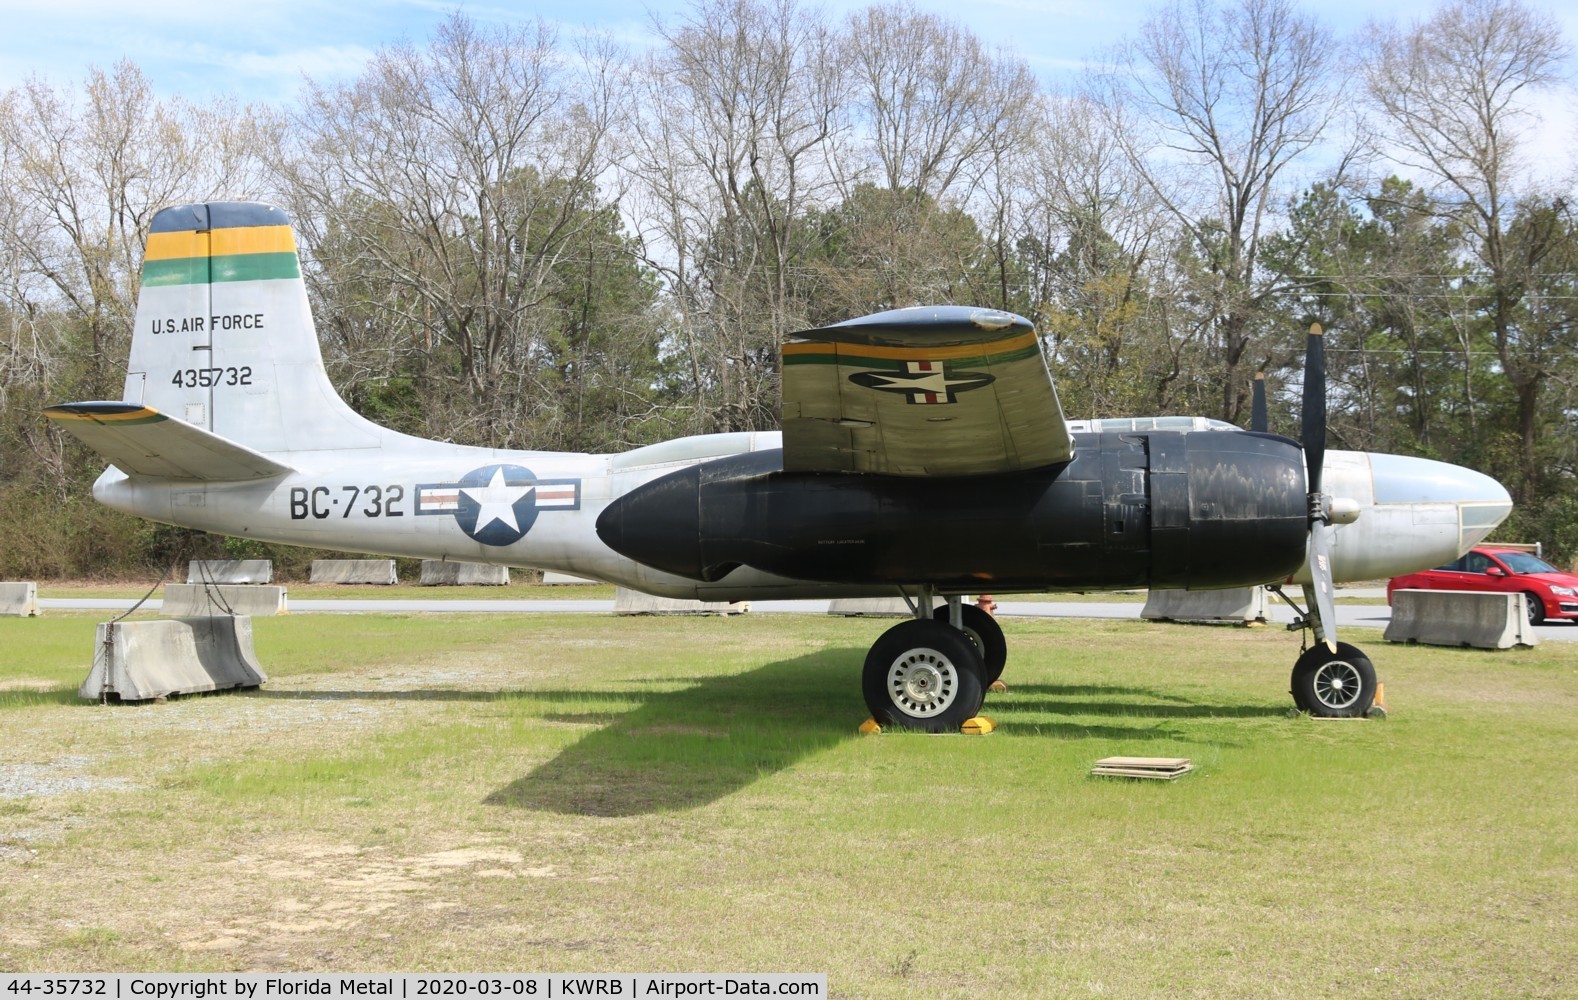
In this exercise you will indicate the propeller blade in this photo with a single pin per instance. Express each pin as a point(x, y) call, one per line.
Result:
point(1313, 429)
point(1257, 411)
point(1320, 594)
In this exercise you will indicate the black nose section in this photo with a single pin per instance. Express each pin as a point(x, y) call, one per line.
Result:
point(658, 524)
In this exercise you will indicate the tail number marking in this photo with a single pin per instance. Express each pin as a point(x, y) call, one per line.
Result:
point(321, 502)
point(207, 378)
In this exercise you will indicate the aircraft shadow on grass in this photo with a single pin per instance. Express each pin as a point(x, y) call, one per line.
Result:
point(1076, 700)
point(685, 748)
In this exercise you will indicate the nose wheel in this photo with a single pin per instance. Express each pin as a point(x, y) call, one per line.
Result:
point(1338, 685)
point(925, 675)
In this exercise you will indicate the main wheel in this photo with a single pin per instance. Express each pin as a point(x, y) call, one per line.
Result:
point(1536, 607)
point(1337, 685)
point(923, 675)
point(985, 633)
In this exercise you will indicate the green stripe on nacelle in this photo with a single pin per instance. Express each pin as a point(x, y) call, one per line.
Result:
point(896, 364)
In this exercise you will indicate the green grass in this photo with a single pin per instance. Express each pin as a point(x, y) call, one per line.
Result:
point(573, 793)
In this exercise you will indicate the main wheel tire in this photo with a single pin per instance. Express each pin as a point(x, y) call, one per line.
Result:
point(985, 633)
point(1337, 685)
point(923, 675)
point(1536, 607)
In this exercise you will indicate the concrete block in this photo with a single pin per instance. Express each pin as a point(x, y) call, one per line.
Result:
point(1460, 618)
point(553, 579)
point(870, 607)
point(1236, 604)
point(375, 571)
point(142, 660)
point(442, 573)
point(19, 600)
point(634, 602)
point(230, 571)
point(185, 600)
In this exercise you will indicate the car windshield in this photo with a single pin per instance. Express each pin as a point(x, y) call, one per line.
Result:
point(1522, 562)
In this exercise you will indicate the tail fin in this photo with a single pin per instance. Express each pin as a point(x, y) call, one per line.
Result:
point(224, 337)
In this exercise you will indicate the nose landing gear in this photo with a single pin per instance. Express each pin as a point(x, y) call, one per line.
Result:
point(1338, 685)
point(1331, 679)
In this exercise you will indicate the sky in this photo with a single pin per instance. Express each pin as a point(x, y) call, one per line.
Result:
point(262, 49)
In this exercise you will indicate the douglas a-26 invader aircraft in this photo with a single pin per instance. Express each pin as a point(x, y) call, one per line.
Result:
point(923, 453)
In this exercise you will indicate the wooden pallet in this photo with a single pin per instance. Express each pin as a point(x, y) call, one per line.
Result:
point(1162, 768)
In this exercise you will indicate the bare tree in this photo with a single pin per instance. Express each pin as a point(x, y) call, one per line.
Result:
point(453, 180)
point(742, 107)
point(931, 98)
point(1225, 96)
point(1100, 249)
point(1456, 91)
point(85, 179)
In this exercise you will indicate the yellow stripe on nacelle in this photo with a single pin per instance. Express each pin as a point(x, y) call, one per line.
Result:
point(907, 353)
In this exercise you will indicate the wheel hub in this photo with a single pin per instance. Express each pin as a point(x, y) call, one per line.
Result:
point(923, 683)
point(1337, 684)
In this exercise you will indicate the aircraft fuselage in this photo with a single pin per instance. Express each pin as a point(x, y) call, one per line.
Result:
point(714, 517)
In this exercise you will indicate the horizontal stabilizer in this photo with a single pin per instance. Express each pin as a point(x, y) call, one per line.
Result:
point(141, 441)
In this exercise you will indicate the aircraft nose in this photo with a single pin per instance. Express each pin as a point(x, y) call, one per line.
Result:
point(1482, 502)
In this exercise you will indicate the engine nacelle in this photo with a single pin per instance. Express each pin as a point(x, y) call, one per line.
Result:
point(1196, 509)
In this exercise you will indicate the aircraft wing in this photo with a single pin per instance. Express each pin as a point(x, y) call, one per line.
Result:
point(931, 391)
point(141, 441)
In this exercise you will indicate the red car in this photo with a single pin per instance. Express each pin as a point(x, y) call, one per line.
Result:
point(1551, 593)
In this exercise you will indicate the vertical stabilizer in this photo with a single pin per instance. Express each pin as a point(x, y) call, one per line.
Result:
point(224, 337)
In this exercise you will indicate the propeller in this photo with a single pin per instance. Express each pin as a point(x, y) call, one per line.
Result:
point(1320, 592)
point(1257, 409)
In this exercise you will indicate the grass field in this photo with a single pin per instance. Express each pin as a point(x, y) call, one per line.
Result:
point(568, 793)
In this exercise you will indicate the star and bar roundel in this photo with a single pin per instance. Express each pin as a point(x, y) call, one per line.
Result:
point(924, 382)
point(498, 504)
point(923, 375)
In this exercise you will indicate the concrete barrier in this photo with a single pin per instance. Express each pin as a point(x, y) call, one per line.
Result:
point(1460, 618)
point(634, 602)
point(1236, 604)
point(442, 573)
point(142, 660)
point(375, 571)
point(187, 600)
point(19, 600)
point(870, 607)
point(230, 571)
point(552, 579)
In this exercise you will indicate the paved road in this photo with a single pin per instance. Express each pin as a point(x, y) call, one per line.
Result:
point(1348, 615)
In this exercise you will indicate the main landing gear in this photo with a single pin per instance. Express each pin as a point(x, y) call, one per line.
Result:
point(931, 672)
